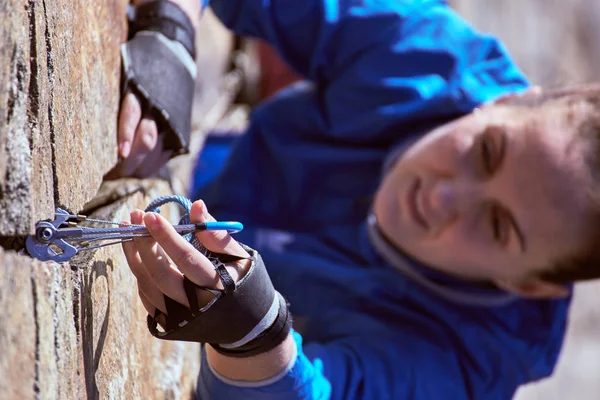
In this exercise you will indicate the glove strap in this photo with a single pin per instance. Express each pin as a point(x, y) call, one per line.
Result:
point(267, 340)
point(246, 318)
point(165, 17)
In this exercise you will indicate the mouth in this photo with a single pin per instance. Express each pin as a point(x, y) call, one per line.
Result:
point(415, 205)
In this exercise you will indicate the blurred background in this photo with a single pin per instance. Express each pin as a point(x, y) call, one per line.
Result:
point(555, 43)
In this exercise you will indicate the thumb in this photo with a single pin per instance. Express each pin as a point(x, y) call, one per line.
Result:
point(217, 241)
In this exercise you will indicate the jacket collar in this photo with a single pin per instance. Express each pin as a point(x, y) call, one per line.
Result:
point(447, 287)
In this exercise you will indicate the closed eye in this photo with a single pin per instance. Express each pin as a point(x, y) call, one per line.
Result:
point(499, 226)
point(486, 155)
point(491, 149)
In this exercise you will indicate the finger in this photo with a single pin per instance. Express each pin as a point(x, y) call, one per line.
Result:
point(129, 118)
point(160, 270)
point(190, 261)
point(146, 136)
point(154, 161)
point(146, 287)
point(147, 303)
point(151, 292)
point(217, 241)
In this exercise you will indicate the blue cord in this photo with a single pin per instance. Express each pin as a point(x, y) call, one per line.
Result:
point(186, 204)
point(229, 226)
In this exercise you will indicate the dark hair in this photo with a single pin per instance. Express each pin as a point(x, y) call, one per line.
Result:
point(584, 264)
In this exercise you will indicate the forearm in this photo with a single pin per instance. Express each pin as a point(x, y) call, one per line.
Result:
point(190, 7)
point(300, 379)
point(256, 368)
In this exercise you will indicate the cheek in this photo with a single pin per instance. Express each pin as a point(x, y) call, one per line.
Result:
point(460, 238)
point(460, 249)
point(440, 154)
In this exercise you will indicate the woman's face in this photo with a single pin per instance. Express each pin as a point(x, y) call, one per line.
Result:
point(492, 196)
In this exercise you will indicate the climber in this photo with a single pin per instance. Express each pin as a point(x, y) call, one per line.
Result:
point(420, 210)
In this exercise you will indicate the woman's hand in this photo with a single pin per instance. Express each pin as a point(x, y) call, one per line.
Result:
point(143, 146)
point(140, 145)
point(159, 264)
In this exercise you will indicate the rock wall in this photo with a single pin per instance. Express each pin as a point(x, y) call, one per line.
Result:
point(77, 330)
point(556, 43)
point(60, 85)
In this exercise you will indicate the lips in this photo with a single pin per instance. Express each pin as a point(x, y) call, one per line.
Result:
point(415, 204)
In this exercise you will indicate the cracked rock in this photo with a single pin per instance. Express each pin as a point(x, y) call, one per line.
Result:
point(58, 105)
point(78, 330)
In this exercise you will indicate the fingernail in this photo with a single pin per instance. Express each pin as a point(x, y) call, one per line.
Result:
point(152, 221)
point(124, 149)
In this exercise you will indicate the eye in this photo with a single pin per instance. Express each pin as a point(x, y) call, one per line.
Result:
point(487, 151)
point(498, 226)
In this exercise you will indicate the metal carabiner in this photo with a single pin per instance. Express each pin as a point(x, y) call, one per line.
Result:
point(61, 239)
point(39, 245)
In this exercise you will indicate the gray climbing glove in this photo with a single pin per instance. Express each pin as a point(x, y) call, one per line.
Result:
point(159, 68)
point(244, 319)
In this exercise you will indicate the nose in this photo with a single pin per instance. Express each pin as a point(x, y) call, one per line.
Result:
point(450, 197)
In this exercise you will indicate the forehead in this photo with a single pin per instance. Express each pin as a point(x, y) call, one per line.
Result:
point(546, 182)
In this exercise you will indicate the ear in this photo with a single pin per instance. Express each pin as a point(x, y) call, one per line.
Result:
point(527, 96)
point(534, 288)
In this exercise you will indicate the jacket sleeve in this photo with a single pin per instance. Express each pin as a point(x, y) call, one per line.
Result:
point(374, 61)
point(352, 368)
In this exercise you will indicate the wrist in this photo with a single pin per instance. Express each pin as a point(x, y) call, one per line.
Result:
point(255, 368)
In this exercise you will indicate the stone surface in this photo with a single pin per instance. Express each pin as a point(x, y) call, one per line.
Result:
point(15, 168)
point(18, 366)
point(59, 103)
point(84, 67)
point(78, 331)
point(59, 76)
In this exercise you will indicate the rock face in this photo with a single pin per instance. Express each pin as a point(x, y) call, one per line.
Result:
point(73, 331)
point(60, 82)
point(77, 330)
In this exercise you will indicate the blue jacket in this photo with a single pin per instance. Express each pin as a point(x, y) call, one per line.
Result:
point(301, 179)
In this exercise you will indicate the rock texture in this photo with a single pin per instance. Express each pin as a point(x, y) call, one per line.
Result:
point(73, 331)
point(60, 89)
point(77, 330)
